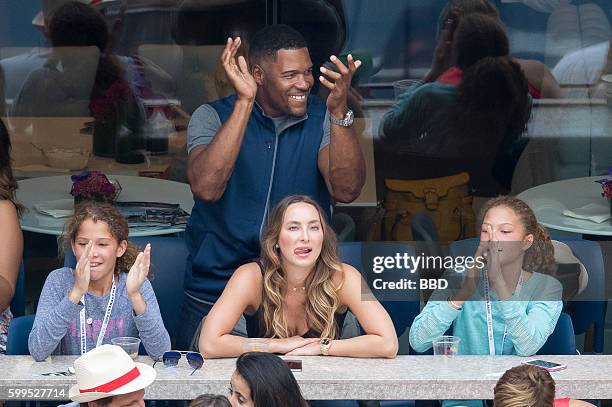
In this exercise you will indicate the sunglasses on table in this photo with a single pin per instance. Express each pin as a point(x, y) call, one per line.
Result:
point(172, 357)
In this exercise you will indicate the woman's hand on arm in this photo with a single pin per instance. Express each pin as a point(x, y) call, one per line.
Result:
point(243, 291)
point(311, 349)
point(380, 340)
point(296, 345)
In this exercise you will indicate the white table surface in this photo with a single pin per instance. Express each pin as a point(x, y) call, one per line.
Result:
point(405, 377)
point(33, 191)
point(549, 200)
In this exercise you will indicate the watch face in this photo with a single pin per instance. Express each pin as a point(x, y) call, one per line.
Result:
point(349, 115)
point(325, 341)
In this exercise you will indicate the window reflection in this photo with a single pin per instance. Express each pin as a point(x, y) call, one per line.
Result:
point(166, 53)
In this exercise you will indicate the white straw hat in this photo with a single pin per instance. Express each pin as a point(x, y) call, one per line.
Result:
point(108, 371)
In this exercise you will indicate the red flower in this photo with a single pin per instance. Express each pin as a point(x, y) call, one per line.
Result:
point(606, 185)
point(91, 184)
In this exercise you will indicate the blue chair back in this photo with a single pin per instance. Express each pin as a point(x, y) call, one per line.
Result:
point(563, 339)
point(402, 313)
point(344, 226)
point(18, 303)
point(168, 263)
point(18, 333)
point(589, 307)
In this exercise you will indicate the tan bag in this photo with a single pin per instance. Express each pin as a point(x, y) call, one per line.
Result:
point(448, 201)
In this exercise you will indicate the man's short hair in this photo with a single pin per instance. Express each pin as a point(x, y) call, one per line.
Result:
point(267, 41)
point(100, 402)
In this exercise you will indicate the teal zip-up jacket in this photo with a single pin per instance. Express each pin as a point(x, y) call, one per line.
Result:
point(530, 317)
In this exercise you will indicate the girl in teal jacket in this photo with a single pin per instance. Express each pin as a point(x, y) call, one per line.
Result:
point(513, 299)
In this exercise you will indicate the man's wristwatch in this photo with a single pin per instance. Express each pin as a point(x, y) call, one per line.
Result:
point(347, 121)
point(325, 344)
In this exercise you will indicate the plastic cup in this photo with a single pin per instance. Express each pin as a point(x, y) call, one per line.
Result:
point(256, 345)
point(446, 346)
point(128, 343)
point(400, 86)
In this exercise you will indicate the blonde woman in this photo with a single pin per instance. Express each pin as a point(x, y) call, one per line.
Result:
point(297, 295)
point(530, 386)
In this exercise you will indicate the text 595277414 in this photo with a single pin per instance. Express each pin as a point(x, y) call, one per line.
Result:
point(33, 393)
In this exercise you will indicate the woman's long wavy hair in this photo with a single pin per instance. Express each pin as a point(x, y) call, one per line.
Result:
point(321, 295)
point(8, 185)
point(493, 99)
point(540, 257)
point(117, 226)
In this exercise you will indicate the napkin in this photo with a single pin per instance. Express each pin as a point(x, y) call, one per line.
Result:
point(595, 212)
point(61, 208)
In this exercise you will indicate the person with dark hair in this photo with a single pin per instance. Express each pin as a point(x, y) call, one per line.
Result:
point(62, 87)
point(450, 128)
point(210, 400)
point(250, 150)
point(508, 302)
point(530, 386)
point(11, 239)
point(264, 380)
point(542, 83)
point(107, 294)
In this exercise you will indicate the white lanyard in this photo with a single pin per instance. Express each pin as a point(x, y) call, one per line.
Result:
point(487, 295)
point(109, 309)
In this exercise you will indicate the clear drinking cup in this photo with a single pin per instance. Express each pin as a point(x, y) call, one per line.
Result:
point(128, 343)
point(402, 85)
point(447, 345)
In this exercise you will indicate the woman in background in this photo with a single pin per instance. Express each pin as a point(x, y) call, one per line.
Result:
point(447, 128)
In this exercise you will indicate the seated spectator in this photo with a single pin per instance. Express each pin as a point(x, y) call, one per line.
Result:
point(297, 294)
point(62, 87)
point(107, 367)
point(521, 299)
point(264, 380)
point(530, 386)
point(542, 84)
point(146, 79)
point(102, 298)
point(441, 129)
point(11, 239)
point(210, 400)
